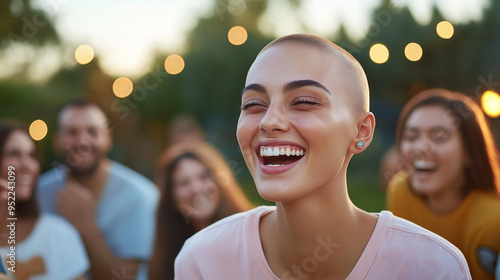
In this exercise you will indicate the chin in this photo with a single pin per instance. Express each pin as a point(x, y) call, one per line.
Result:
point(276, 193)
point(423, 189)
point(83, 170)
point(24, 193)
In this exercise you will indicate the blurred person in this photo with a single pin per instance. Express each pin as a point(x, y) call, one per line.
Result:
point(390, 165)
point(198, 189)
point(46, 246)
point(111, 205)
point(497, 271)
point(452, 183)
point(304, 115)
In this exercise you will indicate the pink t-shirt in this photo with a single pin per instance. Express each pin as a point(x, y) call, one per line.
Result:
point(398, 249)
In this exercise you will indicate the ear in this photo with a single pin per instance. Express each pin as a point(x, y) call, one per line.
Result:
point(365, 128)
point(108, 137)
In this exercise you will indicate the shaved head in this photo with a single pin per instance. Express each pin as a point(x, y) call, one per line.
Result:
point(351, 75)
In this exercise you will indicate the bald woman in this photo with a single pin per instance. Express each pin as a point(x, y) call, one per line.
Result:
point(304, 114)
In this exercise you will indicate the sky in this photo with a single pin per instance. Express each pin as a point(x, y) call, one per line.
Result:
point(126, 34)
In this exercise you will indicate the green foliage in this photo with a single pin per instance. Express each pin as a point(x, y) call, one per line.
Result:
point(210, 84)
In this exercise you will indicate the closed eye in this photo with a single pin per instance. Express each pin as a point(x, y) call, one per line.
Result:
point(251, 103)
point(305, 100)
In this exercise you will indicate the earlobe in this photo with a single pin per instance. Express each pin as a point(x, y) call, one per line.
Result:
point(364, 136)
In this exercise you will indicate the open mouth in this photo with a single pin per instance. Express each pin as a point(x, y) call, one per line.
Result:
point(424, 166)
point(24, 180)
point(280, 155)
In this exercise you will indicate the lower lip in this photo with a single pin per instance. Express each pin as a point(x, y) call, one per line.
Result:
point(423, 175)
point(277, 169)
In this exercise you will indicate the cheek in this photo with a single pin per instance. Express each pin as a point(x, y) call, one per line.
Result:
point(34, 166)
point(406, 150)
point(452, 156)
point(66, 144)
point(182, 195)
point(246, 130)
point(247, 126)
point(4, 169)
point(6, 162)
point(212, 191)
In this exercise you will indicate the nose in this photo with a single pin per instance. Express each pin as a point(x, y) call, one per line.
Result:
point(423, 148)
point(83, 142)
point(275, 120)
point(27, 163)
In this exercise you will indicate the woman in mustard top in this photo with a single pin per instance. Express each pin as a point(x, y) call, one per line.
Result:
point(450, 182)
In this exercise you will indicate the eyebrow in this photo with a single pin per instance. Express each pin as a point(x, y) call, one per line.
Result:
point(432, 129)
point(256, 87)
point(288, 86)
point(303, 83)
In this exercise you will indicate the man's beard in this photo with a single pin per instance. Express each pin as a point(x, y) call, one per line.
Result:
point(79, 172)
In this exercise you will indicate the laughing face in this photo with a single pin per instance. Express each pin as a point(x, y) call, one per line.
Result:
point(195, 192)
point(434, 150)
point(20, 152)
point(83, 139)
point(296, 124)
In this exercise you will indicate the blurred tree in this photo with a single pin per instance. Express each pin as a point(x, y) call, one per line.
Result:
point(22, 23)
point(25, 33)
point(209, 87)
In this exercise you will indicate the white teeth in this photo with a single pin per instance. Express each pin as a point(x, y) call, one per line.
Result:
point(422, 164)
point(24, 180)
point(280, 151)
point(274, 165)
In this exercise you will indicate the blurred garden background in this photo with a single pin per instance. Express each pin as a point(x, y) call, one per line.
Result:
point(148, 62)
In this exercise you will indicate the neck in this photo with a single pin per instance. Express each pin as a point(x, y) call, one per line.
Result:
point(23, 227)
point(96, 180)
point(323, 229)
point(445, 202)
point(450, 198)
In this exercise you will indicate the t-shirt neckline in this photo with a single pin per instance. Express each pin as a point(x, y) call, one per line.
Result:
point(362, 265)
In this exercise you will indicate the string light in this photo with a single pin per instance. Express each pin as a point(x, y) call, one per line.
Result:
point(122, 87)
point(413, 52)
point(237, 35)
point(490, 101)
point(379, 53)
point(38, 130)
point(174, 64)
point(84, 54)
point(445, 29)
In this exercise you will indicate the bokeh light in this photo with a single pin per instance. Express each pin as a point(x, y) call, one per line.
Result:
point(84, 54)
point(445, 29)
point(413, 52)
point(237, 35)
point(122, 87)
point(379, 53)
point(174, 64)
point(490, 101)
point(38, 130)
